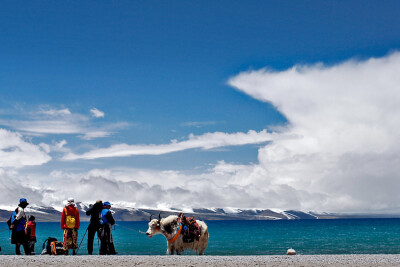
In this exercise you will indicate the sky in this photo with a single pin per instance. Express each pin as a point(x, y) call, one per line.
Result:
point(201, 104)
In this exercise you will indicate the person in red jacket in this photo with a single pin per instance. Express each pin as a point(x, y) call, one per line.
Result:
point(31, 234)
point(70, 223)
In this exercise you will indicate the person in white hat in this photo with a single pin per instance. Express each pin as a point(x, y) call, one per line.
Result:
point(70, 223)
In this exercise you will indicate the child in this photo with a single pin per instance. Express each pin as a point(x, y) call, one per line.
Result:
point(31, 234)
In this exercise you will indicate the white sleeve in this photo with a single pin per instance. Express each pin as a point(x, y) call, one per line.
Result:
point(20, 213)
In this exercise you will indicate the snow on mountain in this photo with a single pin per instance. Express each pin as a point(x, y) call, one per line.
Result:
point(128, 212)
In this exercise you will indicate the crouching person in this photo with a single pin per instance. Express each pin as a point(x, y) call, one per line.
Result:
point(70, 223)
point(31, 234)
point(106, 223)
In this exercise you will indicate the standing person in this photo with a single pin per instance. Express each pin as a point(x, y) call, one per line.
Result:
point(94, 224)
point(106, 222)
point(18, 221)
point(31, 234)
point(70, 223)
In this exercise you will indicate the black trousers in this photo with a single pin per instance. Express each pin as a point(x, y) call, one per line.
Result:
point(92, 230)
point(18, 249)
point(107, 243)
point(19, 238)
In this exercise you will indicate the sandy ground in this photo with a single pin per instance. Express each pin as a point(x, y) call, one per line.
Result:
point(298, 260)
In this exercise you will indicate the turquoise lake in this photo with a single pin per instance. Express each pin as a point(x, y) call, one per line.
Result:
point(350, 236)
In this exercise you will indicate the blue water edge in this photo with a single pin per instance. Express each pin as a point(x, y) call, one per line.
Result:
point(350, 236)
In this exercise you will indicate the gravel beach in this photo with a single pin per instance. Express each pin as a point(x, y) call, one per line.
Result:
point(298, 260)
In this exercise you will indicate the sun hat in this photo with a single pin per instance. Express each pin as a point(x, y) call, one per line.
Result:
point(23, 201)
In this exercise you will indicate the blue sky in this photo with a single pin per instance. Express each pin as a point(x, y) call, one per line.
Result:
point(160, 70)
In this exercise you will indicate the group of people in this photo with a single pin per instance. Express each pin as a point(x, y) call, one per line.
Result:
point(101, 222)
point(23, 231)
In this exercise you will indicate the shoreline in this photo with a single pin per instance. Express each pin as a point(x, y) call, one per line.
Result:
point(279, 260)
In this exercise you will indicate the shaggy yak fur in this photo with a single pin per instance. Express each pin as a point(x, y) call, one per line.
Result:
point(169, 226)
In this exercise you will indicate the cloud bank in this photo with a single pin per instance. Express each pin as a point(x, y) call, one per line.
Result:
point(338, 152)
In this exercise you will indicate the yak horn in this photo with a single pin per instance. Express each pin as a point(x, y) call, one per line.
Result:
point(159, 216)
point(151, 216)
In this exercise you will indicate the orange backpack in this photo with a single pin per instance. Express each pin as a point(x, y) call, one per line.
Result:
point(57, 248)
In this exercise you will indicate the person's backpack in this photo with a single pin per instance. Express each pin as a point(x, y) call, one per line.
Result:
point(57, 248)
point(70, 221)
point(47, 245)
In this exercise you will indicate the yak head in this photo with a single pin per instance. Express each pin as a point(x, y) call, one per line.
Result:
point(154, 226)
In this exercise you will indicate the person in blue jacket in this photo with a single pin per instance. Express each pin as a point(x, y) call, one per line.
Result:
point(18, 221)
point(106, 223)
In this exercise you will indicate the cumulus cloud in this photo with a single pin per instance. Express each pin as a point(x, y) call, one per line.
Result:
point(15, 152)
point(347, 128)
point(97, 113)
point(205, 141)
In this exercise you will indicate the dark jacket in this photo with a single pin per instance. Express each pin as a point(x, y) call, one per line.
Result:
point(94, 211)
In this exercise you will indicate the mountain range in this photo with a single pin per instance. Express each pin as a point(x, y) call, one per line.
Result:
point(52, 214)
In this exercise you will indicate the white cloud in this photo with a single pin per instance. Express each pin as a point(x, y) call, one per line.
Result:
point(151, 188)
point(61, 144)
point(95, 134)
point(43, 127)
point(347, 128)
point(97, 113)
point(48, 121)
point(55, 112)
point(205, 141)
point(338, 152)
point(15, 152)
point(13, 188)
point(198, 124)
point(171, 189)
point(59, 147)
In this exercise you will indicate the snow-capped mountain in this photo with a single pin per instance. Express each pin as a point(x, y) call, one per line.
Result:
point(123, 213)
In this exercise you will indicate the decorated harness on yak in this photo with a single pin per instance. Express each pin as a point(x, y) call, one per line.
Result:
point(190, 229)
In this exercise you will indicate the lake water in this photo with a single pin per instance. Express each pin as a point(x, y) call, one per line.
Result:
point(351, 236)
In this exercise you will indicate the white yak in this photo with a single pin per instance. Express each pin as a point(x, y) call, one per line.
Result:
point(169, 227)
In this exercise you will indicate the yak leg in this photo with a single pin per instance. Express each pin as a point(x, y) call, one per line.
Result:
point(201, 250)
point(170, 249)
